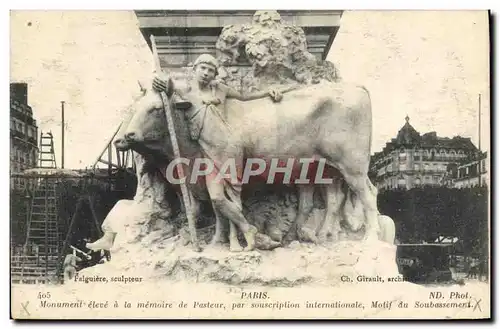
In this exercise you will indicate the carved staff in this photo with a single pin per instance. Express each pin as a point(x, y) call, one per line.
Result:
point(175, 146)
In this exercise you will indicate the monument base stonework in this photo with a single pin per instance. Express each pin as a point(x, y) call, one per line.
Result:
point(157, 255)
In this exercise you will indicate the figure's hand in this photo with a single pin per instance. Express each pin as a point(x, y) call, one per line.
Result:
point(211, 101)
point(214, 83)
point(160, 83)
point(275, 95)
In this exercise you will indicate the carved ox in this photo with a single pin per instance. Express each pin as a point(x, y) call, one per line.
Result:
point(329, 120)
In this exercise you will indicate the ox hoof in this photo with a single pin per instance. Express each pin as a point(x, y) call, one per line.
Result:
point(329, 237)
point(250, 237)
point(276, 235)
point(216, 243)
point(264, 242)
point(307, 235)
point(197, 248)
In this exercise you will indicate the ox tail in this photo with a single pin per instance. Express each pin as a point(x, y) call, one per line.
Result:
point(371, 120)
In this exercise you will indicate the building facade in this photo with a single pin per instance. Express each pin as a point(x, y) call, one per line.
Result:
point(23, 133)
point(472, 172)
point(413, 160)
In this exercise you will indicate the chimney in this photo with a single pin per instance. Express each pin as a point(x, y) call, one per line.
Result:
point(19, 92)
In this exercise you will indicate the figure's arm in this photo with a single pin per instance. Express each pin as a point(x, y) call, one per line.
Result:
point(233, 93)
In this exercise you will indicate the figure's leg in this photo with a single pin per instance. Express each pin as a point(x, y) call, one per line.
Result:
point(231, 211)
point(107, 240)
point(234, 244)
point(220, 236)
point(306, 196)
point(217, 238)
point(109, 226)
point(66, 275)
point(69, 273)
point(104, 243)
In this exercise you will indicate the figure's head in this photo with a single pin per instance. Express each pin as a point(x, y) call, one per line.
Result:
point(205, 68)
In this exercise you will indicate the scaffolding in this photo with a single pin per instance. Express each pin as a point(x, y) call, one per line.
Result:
point(47, 155)
point(48, 239)
point(114, 159)
point(38, 260)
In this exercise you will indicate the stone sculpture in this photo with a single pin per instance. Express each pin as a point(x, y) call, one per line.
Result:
point(319, 117)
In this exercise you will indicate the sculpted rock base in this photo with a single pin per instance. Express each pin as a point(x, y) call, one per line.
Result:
point(157, 257)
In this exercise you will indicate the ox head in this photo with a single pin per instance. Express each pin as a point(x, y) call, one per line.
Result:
point(146, 131)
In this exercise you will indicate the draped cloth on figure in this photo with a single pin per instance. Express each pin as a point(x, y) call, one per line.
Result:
point(220, 144)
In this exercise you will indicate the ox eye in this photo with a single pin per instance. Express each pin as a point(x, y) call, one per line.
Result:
point(152, 110)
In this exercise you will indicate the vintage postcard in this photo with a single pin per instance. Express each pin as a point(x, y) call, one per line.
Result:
point(250, 164)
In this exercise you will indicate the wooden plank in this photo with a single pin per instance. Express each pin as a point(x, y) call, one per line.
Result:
point(70, 233)
point(94, 215)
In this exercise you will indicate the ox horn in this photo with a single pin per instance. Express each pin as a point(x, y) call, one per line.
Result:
point(143, 90)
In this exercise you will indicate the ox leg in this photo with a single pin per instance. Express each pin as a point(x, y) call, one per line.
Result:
point(332, 194)
point(373, 189)
point(306, 204)
point(361, 186)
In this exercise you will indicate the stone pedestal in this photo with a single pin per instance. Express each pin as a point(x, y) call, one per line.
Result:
point(184, 35)
point(298, 264)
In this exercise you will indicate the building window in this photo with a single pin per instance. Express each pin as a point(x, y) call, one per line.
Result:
point(453, 155)
point(417, 155)
point(418, 181)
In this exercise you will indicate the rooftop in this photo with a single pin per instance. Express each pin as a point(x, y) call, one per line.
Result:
point(408, 136)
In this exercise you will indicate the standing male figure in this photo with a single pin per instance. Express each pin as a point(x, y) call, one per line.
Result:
point(69, 265)
point(207, 125)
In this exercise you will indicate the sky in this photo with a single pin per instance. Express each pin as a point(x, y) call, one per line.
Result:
point(428, 65)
